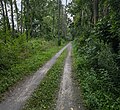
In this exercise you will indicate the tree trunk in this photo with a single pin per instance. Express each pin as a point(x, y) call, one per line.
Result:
point(82, 17)
point(95, 9)
point(66, 20)
point(6, 14)
point(24, 13)
point(4, 21)
point(32, 15)
point(3, 14)
point(17, 19)
point(53, 20)
point(21, 17)
point(66, 2)
point(27, 20)
point(59, 5)
point(31, 21)
point(12, 18)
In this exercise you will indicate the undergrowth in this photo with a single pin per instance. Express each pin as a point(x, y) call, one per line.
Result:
point(44, 97)
point(20, 58)
point(96, 72)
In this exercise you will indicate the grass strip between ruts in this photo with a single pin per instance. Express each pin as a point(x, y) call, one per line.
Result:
point(44, 97)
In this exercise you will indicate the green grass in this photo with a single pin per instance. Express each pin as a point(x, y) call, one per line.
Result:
point(44, 97)
point(33, 55)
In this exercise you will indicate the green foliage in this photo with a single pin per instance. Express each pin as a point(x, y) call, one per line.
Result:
point(44, 98)
point(20, 58)
point(96, 73)
point(97, 61)
point(108, 30)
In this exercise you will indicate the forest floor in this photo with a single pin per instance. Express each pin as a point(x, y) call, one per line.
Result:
point(68, 96)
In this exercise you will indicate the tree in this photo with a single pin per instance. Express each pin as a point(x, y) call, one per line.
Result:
point(27, 19)
point(59, 8)
point(3, 14)
point(95, 8)
point(6, 14)
point(12, 18)
point(21, 19)
point(96, 26)
point(31, 19)
point(4, 20)
point(17, 15)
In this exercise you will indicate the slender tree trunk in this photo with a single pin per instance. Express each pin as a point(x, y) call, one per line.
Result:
point(3, 14)
point(4, 21)
point(66, 20)
point(21, 25)
point(82, 17)
point(31, 21)
point(53, 20)
point(95, 9)
point(59, 3)
point(27, 19)
point(62, 24)
point(32, 11)
point(6, 14)
point(12, 18)
point(17, 19)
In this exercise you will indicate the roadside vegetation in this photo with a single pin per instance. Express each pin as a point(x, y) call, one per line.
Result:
point(20, 58)
point(28, 37)
point(99, 92)
point(96, 29)
point(28, 34)
point(44, 97)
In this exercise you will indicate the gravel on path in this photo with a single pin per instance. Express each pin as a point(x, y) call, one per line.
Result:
point(68, 98)
point(22, 92)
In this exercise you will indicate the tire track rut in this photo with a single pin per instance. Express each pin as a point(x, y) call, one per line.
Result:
point(21, 93)
point(68, 97)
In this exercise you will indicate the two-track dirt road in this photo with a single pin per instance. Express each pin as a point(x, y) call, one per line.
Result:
point(67, 94)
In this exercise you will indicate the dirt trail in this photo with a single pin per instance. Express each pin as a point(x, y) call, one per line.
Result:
point(21, 93)
point(68, 97)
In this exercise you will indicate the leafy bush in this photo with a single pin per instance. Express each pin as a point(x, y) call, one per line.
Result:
point(97, 72)
point(108, 30)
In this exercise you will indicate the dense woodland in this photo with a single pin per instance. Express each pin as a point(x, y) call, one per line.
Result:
point(96, 29)
point(32, 19)
point(38, 25)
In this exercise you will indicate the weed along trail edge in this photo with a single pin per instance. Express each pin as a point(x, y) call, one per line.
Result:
point(20, 94)
point(68, 95)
